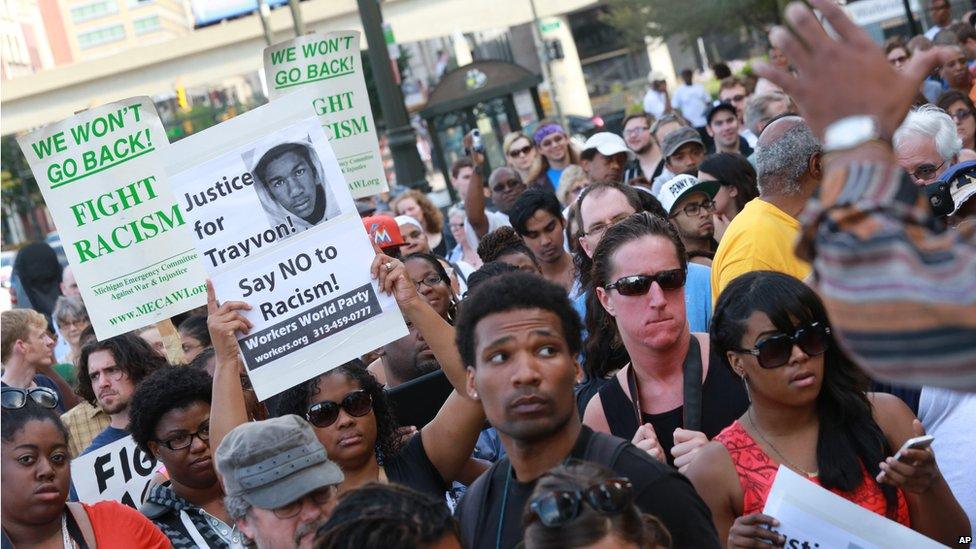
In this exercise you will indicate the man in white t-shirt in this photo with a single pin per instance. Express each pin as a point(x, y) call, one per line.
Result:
point(691, 99)
point(505, 185)
point(656, 101)
point(941, 14)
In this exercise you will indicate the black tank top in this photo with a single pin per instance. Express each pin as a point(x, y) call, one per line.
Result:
point(724, 400)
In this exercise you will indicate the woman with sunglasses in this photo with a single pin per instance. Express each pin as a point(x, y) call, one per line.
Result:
point(521, 155)
point(583, 504)
point(810, 412)
point(738, 179)
point(670, 399)
point(348, 408)
point(960, 108)
point(35, 474)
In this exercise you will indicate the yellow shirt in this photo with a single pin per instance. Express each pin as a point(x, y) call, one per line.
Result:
point(760, 238)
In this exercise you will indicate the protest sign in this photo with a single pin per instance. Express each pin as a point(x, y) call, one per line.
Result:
point(329, 66)
point(106, 188)
point(276, 227)
point(811, 516)
point(119, 471)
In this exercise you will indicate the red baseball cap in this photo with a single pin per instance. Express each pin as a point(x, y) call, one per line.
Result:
point(384, 231)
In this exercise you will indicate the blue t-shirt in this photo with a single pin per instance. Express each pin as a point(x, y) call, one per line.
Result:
point(554, 174)
point(42, 380)
point(108, 436)
point(698, 298)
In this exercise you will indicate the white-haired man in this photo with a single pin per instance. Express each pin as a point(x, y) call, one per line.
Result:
point(926, 144)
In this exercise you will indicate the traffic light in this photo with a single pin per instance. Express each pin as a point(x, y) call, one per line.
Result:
point(554, 50)
point(181, 98)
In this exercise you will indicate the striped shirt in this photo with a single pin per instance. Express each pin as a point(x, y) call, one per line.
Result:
point(900, 290)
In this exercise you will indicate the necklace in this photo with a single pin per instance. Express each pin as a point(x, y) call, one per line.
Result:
point(65, 536)
point(782, 458)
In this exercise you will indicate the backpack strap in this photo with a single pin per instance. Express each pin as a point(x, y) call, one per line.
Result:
point(475, 501)
point(692, 387)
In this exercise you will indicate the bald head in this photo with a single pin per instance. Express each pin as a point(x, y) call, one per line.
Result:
point(787, 158)
point(506, 186)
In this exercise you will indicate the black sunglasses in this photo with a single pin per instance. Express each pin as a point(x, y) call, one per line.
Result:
point(641, 284)
point(325, 413)
point(610, 497)
point(14, 398)
point(515, 153)
point(775, 351)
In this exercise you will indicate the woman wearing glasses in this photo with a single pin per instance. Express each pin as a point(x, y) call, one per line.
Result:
point(348, 407)
point(961, 109)
point(670, 399)
point(583, 504)
point(521, 155)
point(35, 474)
point(810, 413)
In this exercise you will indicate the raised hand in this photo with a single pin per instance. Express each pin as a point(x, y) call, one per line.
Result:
point(224, 321)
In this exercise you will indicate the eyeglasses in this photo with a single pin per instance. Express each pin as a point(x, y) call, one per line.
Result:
point(112, 372)
point(14, 398)
point(900, 60)
point(961, 114)
point(515, 153)
point(600, 228)
point(926, 172)
point(610, 497)
point(185, 440)
point(641, 284)
point(693, 209)
point(319, 497)
point(735, 98)
point(636, 130)
point(325, 413)
point(510, 185)
point(79, 324)
point(430, 282)
point(775, 351)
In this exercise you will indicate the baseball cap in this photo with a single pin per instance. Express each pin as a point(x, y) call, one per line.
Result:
point(384, 231)
point(274, 462)
point(607, 144)
point(719, 107)
point(681, 185)
point(962, 183)
point(681, 136)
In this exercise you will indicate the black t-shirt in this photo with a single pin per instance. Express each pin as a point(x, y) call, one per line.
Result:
point(658, 490)
point(411, 467)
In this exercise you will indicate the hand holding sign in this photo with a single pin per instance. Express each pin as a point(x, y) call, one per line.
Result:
point(754, 531)
point(224, 321)
point(391, 275)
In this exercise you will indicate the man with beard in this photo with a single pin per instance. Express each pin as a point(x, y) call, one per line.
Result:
point(604, 156)
point(537, 217)
point(723, 126)
point(519, 337)
point(280, 484)
point(404, 359)
point(640, 140)
point(683, 152)
point(690, 205)
point(108, 373)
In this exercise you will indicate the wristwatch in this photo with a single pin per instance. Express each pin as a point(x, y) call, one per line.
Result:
point(850, 132)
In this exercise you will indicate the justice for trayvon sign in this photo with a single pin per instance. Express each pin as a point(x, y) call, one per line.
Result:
point(124, 236)
point(275, 226)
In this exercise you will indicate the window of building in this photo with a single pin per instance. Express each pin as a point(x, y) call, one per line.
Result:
point(146, 24)
point(93, 10)
point(104, 35)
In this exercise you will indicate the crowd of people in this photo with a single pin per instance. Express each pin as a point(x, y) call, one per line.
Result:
point(635, 333)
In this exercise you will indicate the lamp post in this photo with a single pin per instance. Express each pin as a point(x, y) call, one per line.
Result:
point(410, 171)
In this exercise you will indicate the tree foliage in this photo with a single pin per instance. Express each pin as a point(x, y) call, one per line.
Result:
point(689, 19)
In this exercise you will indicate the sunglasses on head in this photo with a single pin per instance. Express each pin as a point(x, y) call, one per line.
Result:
point(610, 497)
point(813, 339)
point(515, 153)
point(14, 398)
point(325, 413)
point(641, 284)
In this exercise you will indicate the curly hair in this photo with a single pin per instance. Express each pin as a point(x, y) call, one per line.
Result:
point(849, 439)
point(433, 218)
point(168, 388)
point(15, 419)
point(501, 242)
point(515, 292)
point(297, 400)
point(376, 514)
point(132, 354)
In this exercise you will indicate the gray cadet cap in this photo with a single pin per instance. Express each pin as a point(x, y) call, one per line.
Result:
point(274, 462)
point(681, 136)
